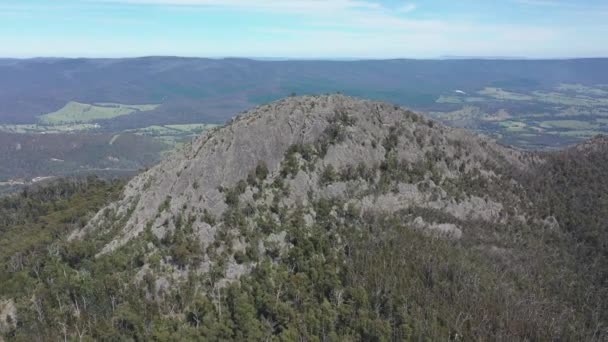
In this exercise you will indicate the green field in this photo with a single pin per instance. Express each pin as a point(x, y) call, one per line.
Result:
point(172, 130)
point(191, 128)
point(533, 117)
point(172, 135)
point(458, 99)
point(569, 124)
point(514, 126)
point(74, 112)
point(546, 97)
point(501, 94)
point(35, 128)
point(579, 88)
point(563, 99)
point(583, 134)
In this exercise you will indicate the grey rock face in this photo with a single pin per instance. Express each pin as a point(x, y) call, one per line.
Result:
point(192, 181)
point(8, 315)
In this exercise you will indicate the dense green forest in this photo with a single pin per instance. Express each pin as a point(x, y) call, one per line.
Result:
point(25, 156)
point(348, 277)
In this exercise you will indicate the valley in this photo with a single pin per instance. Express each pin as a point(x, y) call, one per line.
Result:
point(575, 112)
point(529, 104)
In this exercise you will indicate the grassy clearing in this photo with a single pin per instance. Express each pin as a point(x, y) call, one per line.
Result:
point(584, 134)
point(514, 126)
point(563, 99)
point(37, 129)
point(466, 113)
point(548, 97)
point(458, 99)
point(501, 94)
point(582, 89)
point(74, 112)
point(569, 124)
point(448, 99)
point(172, 130)
point(191, 127)
point(500, 115)
point(172, 135)
point(580, 111)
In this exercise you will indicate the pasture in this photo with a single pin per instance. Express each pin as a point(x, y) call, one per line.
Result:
point(76, 112)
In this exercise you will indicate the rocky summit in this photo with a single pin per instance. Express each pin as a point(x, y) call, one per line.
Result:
point(372, 156)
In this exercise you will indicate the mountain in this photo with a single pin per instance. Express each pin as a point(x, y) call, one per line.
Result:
point(321, 218)
point(334, 135)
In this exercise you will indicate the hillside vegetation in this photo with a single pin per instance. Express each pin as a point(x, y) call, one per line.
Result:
point(26, 156)
point(320, 218)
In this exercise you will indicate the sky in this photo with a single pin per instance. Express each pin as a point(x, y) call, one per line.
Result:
point(330, 29)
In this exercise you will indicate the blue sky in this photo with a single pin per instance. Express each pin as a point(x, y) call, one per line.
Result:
point(304, 28)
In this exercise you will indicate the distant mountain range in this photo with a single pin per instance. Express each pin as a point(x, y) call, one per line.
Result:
point(488, 57)
point(211, 90)
point(531, 104)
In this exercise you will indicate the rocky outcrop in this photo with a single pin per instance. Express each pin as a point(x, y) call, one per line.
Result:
point(373, 156)
point(8, 315)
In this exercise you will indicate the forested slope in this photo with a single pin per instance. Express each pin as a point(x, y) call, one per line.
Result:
point(347, 220)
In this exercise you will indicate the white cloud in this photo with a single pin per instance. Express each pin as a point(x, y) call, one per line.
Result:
point(579, 7)
point(320, 28)
point(553, 3)
point(264, 5)
point(442, 39)
point(407, 8)
point(344, 14)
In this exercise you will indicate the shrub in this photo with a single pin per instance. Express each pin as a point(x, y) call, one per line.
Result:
point(261, 171)
point(208, 217)
point(165, 205)
point(328, 175)
point(290, 165)
point(391, 141)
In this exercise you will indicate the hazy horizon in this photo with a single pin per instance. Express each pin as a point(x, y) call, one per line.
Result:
point(328, 59)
